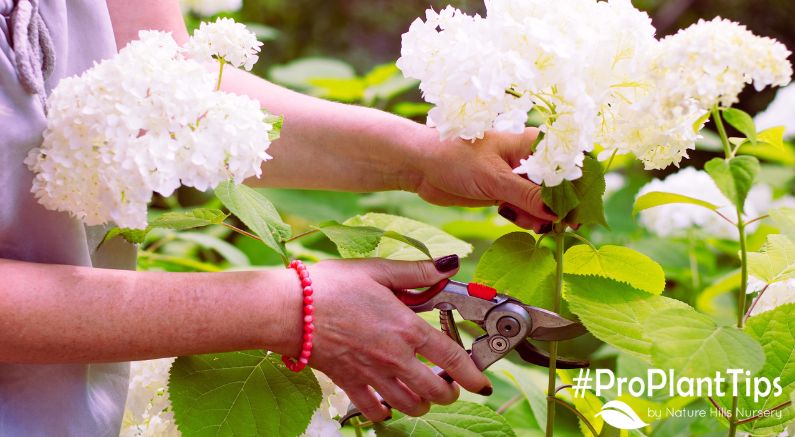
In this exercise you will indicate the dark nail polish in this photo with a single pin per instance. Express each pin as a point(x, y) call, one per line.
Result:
point(548, 210)
point(508, 213)
point(446, 263)
point(546, 228)
point(388, 418)
point(486, 391)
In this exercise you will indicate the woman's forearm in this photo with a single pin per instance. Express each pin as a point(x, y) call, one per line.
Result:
point(328, 145)
point(61, 314)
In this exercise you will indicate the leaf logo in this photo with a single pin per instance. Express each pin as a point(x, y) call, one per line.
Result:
point(620, 415)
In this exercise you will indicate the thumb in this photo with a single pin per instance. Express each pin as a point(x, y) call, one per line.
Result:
point(398, 275)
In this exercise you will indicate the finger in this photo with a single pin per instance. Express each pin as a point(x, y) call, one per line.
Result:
point(421, 379)
point(401, 397)
point(397, 275)
point(367, 402)
point(518, 191)
point(523, 219)
point(448, 355)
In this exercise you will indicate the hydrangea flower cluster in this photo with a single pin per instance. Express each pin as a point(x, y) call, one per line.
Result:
point(226, 40)
point(677, 219)
point(147, 120)
point(593, 69)
point(148, 412)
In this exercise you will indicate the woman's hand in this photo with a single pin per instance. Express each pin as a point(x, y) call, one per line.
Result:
point(480, 173)
point(366, 339)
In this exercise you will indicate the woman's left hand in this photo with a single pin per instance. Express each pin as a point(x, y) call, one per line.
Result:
point(480, 173)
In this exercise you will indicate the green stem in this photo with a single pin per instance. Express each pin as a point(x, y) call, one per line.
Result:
point(733, 418)
point(743, 260)
point(222, 61)
point(724, 139)
point(580, 415)
point(357, 427)
point(560, 235)
point(610, 161)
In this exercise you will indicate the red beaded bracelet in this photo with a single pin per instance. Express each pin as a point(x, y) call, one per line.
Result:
point(297, 365)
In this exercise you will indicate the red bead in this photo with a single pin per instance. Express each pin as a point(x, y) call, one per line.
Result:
point(305, 353)
point(309, 328)
point(306, 282)
point(308, 336)
point(303, 361)
point(309, 309)
point(308, 291)
point(308, 345)
point(302, 273)
point(309, 300)
point(308, 319)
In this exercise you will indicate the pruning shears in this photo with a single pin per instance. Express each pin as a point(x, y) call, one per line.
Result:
point(508, 324)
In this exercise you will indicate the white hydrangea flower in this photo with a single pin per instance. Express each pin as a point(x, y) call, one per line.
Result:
point(147, 120)
point(148, 409)
point(224, 39)
point(780, 112)
point(593, 68)
point(208, 8)
point(320, 426)
point(678, 218)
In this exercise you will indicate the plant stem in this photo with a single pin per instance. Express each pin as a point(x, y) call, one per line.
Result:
point(504, 407)
point(721, 131)
point(222, 61)
point(357, 427)
point(733, 418)
point(743, 259)
point(560, 235)
point(756, 300)
point(580, 415)
point(762, 414)
point(240, 231)
point(303, 234)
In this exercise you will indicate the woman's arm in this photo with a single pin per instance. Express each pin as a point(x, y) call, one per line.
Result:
point(328, 145)
point(364, 336)
point(59, 313)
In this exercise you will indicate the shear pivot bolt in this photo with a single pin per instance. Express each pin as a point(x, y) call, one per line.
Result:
point(508, 326)
point(498, 343)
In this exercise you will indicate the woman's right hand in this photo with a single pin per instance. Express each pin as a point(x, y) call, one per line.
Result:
point(366, 339)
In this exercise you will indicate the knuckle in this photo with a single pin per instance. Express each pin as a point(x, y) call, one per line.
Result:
point(440, 394)
point(453, 358)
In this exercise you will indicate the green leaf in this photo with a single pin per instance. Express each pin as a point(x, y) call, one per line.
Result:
point(590, 189)
point(257, 212)
point(522, 378)
point(618, 263)
point(361, 241)
point(276, 122)
point(189, 219)
point(734, 177)
point(773, 136)
point(775, 331)
point(775, 261)
point(741, 121)
point(133, 236)
point(614, 312)
point(784, 218)
point(561, 199)
point(461, 419)
point(170, 220)
point(437, 241)
point(515, 266)
point(694, 346)
point(658, 198)
point(241, 393)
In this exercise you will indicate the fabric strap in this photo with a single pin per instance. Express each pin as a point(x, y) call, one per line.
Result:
point(33, 48)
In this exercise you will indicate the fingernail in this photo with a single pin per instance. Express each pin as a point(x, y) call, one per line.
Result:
point(446, 263)
point(549, 211)
point(486, 391)
point(546, 228)
point(508, 213)
point(388, 418)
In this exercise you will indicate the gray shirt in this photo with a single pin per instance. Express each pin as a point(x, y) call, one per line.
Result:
point(57, 399)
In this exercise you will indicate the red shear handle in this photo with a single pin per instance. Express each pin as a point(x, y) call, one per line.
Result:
point(412, 298)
